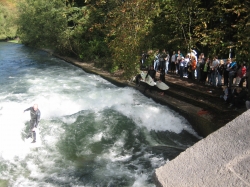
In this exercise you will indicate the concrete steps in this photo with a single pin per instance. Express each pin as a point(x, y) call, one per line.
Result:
point(204, 110)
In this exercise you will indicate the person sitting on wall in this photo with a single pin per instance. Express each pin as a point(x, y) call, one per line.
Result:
point(239, 98)
point(227, 94)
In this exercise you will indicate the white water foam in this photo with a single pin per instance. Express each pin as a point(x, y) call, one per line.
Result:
point(62, 91)
point(57, 100)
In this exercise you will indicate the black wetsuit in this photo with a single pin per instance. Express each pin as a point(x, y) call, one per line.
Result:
point(152, 74)
point(34, 120)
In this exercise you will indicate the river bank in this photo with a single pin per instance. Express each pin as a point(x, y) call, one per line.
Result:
point(199, 104)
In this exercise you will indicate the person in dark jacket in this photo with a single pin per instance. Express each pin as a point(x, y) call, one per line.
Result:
point(35, 115)
point(152, 74)
point(138, 79)
point(220, 70)
point(226, 72)
point(238, 99)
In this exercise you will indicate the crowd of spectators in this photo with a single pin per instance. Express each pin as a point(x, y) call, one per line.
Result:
point(224, 73)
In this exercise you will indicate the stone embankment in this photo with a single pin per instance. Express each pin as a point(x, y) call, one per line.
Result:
point(221, 159)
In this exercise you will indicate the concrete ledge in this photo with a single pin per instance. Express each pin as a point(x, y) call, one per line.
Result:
point(221, 159)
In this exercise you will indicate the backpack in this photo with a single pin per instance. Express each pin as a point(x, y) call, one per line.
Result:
point(233, 66)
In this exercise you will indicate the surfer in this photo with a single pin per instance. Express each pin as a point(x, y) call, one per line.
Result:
point(34, 120)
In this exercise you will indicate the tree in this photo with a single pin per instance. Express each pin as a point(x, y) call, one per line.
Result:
point(130, 24)
point(226, 27)
point(64, 27)
point(176, 26)
point(7, 20)
point(41, 23)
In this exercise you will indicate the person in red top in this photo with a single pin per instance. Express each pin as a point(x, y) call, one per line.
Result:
point(242, 74)
point(193, 66)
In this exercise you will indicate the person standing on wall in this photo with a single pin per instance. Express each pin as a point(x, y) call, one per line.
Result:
point(167, 62)
point(214, 71)
point(35, 115)
point(232, 70)
point(162, 60)
point(226, 72)
point(193, 67)
point(156, 60)
point(182, 66)
point(173, 60)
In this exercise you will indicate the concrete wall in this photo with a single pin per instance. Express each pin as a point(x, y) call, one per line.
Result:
point(221, 159)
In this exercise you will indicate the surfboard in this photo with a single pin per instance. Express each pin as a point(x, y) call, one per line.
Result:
point(148, 80)
point(162, 85)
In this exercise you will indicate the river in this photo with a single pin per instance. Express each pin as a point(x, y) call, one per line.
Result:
point(92, 133)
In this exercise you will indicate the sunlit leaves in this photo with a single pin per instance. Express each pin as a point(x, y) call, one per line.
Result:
point(131, 23)
point(41, 22)
point(7, 20)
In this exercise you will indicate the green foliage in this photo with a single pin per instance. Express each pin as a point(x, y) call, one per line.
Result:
point(7, 22)
point(227, 27)
point(150, 59)
point(114, 33)
point(68, 29)
point(41, 22)
point(130, 28)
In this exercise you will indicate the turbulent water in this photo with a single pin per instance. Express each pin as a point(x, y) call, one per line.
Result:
point(92, 133)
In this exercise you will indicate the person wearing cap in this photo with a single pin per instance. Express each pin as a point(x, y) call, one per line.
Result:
point(35, 115)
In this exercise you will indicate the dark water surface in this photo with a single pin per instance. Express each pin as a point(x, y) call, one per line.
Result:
point(92, 133)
